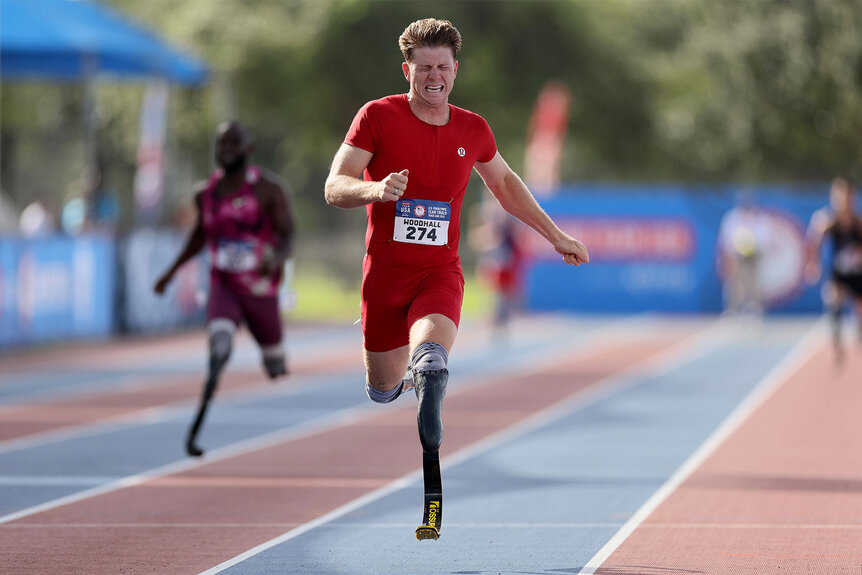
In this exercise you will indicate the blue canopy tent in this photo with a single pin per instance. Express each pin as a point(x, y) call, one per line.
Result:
point(82, 41)
point(78, 39)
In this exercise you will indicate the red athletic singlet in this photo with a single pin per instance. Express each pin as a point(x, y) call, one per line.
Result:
point(239, 235)
point(412, 268)
point(440, 160)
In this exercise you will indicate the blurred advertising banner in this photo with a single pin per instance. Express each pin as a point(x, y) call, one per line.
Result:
point(149, 178)
point(546, 134)
point(146, 254)
point(56, 288)
point(656, 248)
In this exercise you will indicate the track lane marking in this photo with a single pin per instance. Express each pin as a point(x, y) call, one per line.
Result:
point(489, 525)
point(238, 383)
point(600, 339)
point(707, 338)
point(792, 361)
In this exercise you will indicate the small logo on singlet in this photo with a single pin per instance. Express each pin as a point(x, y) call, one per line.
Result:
point(462, 152)
point(237, 203)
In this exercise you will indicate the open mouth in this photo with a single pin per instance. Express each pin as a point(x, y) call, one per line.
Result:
point(434, 89)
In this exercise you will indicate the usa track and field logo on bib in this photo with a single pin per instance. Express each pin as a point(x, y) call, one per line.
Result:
point(422, 222)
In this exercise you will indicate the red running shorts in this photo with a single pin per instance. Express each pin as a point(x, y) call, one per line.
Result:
point(395, 297)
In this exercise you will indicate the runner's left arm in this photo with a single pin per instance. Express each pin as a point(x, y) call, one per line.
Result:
point(515, 198)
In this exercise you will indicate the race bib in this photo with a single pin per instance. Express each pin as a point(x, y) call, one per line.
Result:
point(422, 222)
point(848, 261)
point(235, 257)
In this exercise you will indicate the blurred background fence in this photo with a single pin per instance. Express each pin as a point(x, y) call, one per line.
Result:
point(635, 122)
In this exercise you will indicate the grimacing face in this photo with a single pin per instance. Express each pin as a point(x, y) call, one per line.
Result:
point(431, 74)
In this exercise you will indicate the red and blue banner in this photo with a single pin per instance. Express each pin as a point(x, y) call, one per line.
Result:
point(56, 288)
point(655, 248)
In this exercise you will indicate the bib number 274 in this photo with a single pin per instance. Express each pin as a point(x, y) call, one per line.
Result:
point(422, 222)
point(421, 233)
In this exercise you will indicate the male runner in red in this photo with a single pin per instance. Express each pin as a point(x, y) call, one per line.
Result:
point(244, 219)
point(407, 158)
point(843, 227)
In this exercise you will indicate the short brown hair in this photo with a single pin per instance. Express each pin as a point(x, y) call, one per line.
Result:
point(429, 33)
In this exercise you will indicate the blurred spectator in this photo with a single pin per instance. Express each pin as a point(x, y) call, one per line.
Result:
point(494, 236)
point(742, 237)
point(37, 220)
point(840, 224)
point(91, 206)
point(103, 206)
point(74, 216)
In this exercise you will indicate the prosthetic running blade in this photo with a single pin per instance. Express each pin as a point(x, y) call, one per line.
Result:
point(432, 515)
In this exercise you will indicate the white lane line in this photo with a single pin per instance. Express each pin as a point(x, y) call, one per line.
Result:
point(292, 525)
point(710, 336)
point(149, 525)
point(146, 416)
point(752, 526)
point(165, 412)
point(489, 525)
point(329, 421)
point(793, 360)
point(605, 525)
point(29, 480)
point(232, 397)
point(157, 413)
point(366, 410)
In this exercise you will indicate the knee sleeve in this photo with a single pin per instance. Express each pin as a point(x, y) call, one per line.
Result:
point(274, 361)
point(378, 396)
point(429, 356)
point(221, 343)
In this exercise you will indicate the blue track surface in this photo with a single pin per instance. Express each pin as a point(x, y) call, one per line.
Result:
point(547, 500)
point(540, 497)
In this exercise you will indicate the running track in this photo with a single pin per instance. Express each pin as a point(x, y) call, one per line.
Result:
point(637, 445)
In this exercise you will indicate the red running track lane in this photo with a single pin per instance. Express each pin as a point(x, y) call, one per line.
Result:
point(782, 495)
point(194, 520)
point(19, 421)
point(130, 400)
point(117, 353)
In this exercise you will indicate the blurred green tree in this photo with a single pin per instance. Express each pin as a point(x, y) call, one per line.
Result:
point(666, 90)
point(297, 72)
point(754, 91)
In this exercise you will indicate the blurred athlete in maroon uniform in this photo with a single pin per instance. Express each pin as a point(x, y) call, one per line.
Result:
point(407, 159)
point(244, 220)
point(843, 227)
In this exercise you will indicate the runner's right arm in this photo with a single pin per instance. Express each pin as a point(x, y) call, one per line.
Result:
point(515, 198)
point(194, 244)
point(277, 203)
point(345, 188)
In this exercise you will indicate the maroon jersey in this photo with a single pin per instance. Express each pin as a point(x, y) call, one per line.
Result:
point(239, 237)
